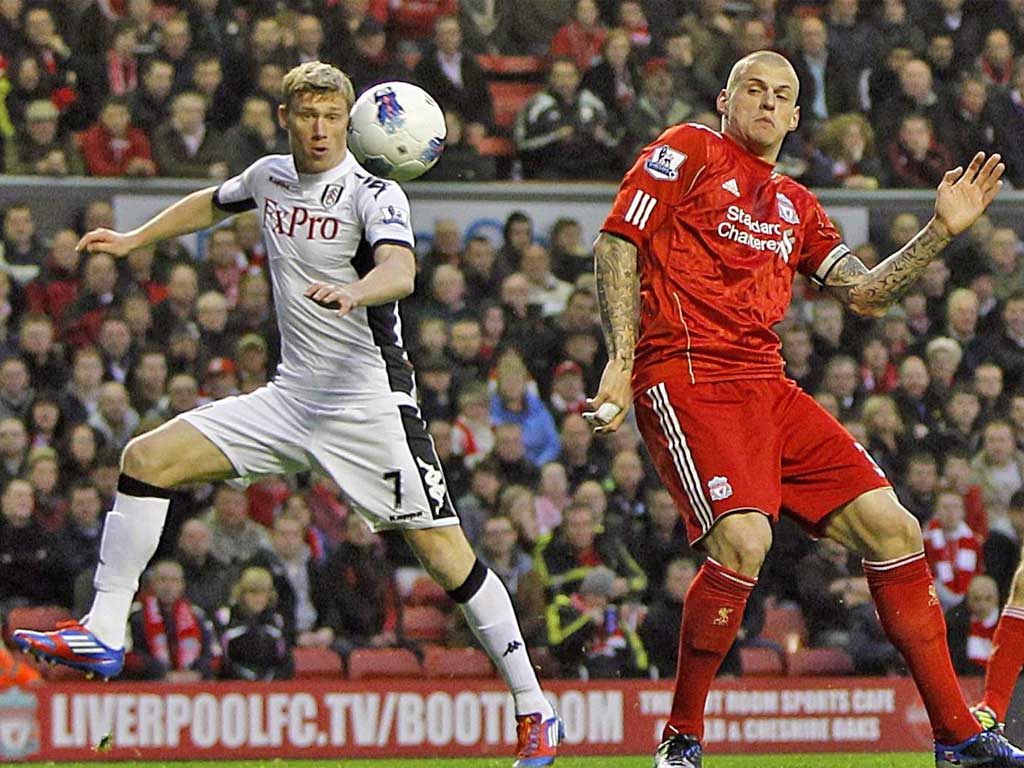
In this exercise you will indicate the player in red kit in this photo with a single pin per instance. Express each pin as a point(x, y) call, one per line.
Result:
point(695, 264)
point(1007, 659)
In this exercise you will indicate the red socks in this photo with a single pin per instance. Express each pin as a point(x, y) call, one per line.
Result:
point(909, 609)
point(712, 614)
point(1007, 658)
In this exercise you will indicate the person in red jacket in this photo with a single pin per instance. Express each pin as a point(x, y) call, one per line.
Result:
point(582, 37)
point(414, 19)
point(112, 146)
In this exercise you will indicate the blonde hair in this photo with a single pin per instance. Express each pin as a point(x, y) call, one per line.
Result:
point(254, 579)
point(832, 133)
point(873, 406)
point(316, 77)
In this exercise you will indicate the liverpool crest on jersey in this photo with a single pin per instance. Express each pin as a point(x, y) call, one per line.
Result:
point(787, 211)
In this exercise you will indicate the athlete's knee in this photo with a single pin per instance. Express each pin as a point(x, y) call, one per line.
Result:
point(143, 460)
point(740, 542)
point(891, 531)
point(1017, 587)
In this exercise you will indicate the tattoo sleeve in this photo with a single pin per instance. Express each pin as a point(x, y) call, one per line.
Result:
point(618, 293)
point(871, 291)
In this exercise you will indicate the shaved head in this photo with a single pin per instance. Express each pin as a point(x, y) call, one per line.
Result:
point(758, 104)
point(771, 58)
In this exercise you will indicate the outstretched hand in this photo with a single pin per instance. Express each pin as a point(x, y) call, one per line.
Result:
point(964, 195)
point(106, 241)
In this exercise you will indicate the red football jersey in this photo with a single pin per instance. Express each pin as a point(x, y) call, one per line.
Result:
point(719, 236)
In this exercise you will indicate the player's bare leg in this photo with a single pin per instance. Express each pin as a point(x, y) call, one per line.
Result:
point(1007, 657)
point(880, 530)
point(151, 465)
point(712, 613)
point(451, 562)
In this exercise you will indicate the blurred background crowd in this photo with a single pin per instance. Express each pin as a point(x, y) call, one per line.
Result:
point(893, 91)
point(505, 333)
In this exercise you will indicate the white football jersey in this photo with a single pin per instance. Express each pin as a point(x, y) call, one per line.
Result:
point(323, 228)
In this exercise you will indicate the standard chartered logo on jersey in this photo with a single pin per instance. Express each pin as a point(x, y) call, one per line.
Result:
point(740, 227)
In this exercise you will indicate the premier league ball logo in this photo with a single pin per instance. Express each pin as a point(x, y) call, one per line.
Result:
point(390, 113)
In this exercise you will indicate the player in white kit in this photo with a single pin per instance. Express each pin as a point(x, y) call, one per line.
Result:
point(339, 245)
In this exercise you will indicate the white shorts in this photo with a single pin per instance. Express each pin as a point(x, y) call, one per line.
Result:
point(378, 450)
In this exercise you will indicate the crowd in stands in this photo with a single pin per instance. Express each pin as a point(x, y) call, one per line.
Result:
point(893, 92)
point(507, 342)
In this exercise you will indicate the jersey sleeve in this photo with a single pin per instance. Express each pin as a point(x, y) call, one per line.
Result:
point(236, 195)
point(662, 176)
point(383, 210)
point(823, 245)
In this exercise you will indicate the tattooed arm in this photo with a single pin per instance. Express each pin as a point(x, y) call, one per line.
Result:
point(870, 292)
point(962, 197)
point(618, 292)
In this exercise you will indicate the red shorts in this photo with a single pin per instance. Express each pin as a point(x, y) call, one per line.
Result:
point(761, 444)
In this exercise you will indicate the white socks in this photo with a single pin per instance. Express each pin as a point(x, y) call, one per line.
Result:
point(130, 537)
point(490, 615)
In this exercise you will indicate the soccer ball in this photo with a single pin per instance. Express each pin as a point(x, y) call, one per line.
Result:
point(396, 131)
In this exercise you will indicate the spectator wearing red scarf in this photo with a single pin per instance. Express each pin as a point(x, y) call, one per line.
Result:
point(952, 549)
point(972, 625)
point(172, 639)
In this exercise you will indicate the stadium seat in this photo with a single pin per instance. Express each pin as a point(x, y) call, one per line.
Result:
point(424, 622)
point(38, 617)
point(818, 662)
point(426, 591)
point(513, 66)
point(761, 662)
point(317, 662)
point(373, 663)
point(439, 661)
point(508, 99)
point(785, 626)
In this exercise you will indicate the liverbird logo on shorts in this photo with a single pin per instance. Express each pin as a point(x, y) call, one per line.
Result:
point(719, 488)
point(722, 620)
point(390, 113)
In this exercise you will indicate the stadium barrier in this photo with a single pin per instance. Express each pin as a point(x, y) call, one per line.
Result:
point(409, 718)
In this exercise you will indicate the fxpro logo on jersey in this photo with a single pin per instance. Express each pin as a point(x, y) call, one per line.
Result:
point(740, 227)
point(298, 222)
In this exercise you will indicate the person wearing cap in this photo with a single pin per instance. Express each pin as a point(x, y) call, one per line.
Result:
point(39, 149)
point(588, 631)
point(221, 379)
